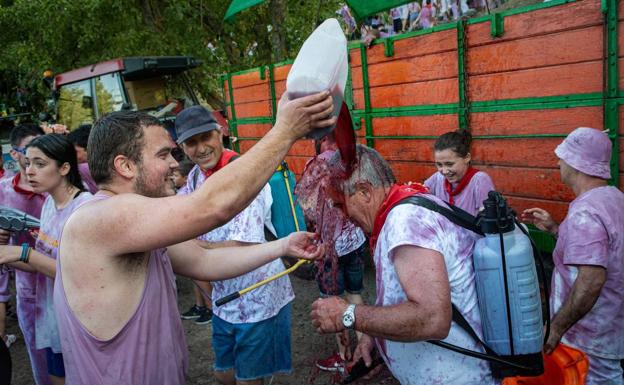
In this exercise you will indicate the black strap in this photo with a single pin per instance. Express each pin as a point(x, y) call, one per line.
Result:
point(453, 213)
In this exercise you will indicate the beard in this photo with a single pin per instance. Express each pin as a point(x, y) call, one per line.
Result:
point(145, 186)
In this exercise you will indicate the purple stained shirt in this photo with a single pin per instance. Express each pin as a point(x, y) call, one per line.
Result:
point(87, 179)
point(415, 363)
point(52, 222)
point(149, 349)
point(31, 204)
point(471, 198)
point(248, 226)
point(593, 234)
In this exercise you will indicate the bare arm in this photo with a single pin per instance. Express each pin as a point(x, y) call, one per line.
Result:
point(192, 260)
point(37, 262)
point(426, 315)
point(584, 294)
point(541, 219)
point(129, 223)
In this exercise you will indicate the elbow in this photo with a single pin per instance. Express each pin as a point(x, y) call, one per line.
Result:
point(440, 322)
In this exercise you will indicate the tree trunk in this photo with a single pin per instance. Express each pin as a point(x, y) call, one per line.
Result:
point(277, 10)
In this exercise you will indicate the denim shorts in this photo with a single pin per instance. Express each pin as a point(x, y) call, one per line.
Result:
point(55, 363)
point(254, 350)
point(349, 276)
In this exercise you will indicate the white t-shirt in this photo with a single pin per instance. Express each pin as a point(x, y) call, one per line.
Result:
point(417, 363)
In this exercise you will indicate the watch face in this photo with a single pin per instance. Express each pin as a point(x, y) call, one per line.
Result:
point(348, 320)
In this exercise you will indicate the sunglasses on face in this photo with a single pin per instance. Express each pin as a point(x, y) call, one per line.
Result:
point(21, 150)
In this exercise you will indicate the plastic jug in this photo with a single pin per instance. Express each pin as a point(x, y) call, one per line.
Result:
point(518, 291)
point(321, 65)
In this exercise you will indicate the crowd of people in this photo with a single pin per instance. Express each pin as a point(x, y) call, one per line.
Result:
point(96, 284)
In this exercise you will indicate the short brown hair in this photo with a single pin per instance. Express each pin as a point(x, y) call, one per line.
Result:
point(118, 133)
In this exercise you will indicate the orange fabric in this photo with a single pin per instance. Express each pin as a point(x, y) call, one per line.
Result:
point(565, 366)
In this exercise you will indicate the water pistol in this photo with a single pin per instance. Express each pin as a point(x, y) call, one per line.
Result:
point(16, 220)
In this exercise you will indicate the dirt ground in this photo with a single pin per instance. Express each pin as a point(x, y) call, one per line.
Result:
point(307, 345)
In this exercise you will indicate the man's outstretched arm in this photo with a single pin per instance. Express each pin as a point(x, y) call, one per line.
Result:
point(192, 260)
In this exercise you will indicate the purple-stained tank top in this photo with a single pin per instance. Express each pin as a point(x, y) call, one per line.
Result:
point(149, 349)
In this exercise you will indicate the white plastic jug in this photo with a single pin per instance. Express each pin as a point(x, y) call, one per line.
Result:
point(321, 65)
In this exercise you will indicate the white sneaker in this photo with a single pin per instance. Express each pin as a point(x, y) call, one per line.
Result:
point(9, 339)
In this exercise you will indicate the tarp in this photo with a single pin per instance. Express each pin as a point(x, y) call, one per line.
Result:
point(362, 8)
point(239, 5)
point(359, 8)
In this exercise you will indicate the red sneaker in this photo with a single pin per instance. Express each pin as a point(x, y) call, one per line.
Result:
point(333, 363)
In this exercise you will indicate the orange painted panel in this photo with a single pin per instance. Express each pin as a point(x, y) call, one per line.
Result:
point(621, 181)
point(280, 88)
point(559, 18)
point(516, 152)
point(412, 150)
point(549, 81)
point(620, 10)
point(415, 125)
point(433, 92)
point(412, 171)
point(245, 145)
point(621, 153)
point(529, 182)
point(252, 130)
point(540, 51)
point(252, 110)
point(410, 47)
point(558, 210)
point(621, 71)
point(281, 72)
point(247, 79)
point(303, 148)
point(560, 121)
point(297, 163)
point(251, 93)
point(417, 69)
point(621, 36)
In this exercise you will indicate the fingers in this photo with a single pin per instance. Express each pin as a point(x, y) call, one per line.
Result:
point(315, 102)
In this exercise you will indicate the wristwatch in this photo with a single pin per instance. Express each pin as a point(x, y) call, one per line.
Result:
point(348, 317)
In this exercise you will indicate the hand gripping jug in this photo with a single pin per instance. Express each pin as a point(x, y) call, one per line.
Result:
point(508, 288)
point(321, 65)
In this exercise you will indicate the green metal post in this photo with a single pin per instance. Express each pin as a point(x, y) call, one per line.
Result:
point(461, 75)
point(232, 123)
point(611, 107)
point(272, 93)
point(368, 122)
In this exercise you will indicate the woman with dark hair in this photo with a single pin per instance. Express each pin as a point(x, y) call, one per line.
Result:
point(456, 181)
point(51, 167)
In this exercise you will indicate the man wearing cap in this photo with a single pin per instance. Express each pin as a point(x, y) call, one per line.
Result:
point(588, 281)
point(250, 335)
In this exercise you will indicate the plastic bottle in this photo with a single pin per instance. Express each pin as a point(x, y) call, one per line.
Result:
point(321, 65)
point(517, 294)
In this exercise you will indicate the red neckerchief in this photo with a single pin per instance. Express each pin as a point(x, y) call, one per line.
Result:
point(226, 157)
point(19, 190)
point(460, 186)
point(397, 193)
point(1, 172)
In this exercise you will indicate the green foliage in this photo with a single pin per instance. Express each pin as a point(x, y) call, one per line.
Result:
point(64, 34)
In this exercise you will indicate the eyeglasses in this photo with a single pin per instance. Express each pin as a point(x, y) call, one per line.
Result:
point(21, 150)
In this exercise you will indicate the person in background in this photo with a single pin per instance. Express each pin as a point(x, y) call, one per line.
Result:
point(250, 335)
point(180, 174)
point(52, 168)
point(586, 296)
point(17, 193)
point(80, 139)
point(456, 181)
point(349, 250)
point(414, 11)
point(426, 18)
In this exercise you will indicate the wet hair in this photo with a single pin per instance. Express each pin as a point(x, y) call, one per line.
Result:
point(185, 167)
point(118, 133)
point(370, 167)
point(80, 136)
point(60, 149)
point(22, 131)
point(456, 141)
point(331, 138)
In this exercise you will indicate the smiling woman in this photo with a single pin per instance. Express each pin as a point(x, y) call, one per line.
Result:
point(456, 181)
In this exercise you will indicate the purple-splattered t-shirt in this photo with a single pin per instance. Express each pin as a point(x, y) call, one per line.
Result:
point(471, 198)
point(31, 204)
point(414, 363)
point(52, 222)
point(593, 234)
point(248, 226)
